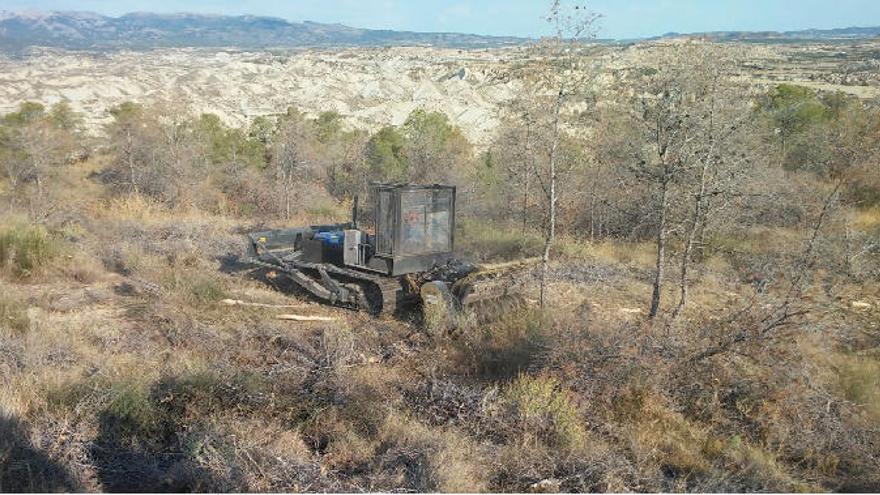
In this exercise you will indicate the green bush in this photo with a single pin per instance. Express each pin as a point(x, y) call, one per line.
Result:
point(207, 290)
point(132, 410)
point(26, 248)
point(385, 156)
point(545, 409)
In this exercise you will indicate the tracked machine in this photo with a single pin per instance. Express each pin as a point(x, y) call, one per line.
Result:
point(402, 258)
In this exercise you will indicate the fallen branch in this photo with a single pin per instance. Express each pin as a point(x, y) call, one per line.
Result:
point(239, 302)
point(304, 318)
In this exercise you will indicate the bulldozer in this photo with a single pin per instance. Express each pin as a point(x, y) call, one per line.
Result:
point(402, 257)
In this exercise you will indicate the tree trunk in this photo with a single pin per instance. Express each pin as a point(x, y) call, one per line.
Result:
point(782, 158)
point(525, 204)
point(129, 156)
point(287, 187)
point(530, 158)
point(700, 248)
point(593, 212)
point(696, 221)
point(661, 251)
point(551, 227)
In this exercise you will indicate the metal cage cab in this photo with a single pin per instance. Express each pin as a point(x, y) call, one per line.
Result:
point(414, 227)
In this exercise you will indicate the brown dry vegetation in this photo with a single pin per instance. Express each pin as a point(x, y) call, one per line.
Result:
point(122, 370)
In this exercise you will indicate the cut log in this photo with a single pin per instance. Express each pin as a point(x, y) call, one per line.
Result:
point(239, 302)
point(304, 318)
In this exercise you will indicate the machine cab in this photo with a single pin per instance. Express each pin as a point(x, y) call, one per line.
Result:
point(414, 227)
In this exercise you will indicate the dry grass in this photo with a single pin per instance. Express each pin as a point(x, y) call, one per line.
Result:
point(431, 460)
point(640, 255)
point(504, 243)
point(484, 242)
point(859, 379)
point(868, 219)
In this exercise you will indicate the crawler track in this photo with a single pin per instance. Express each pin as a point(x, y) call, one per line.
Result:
point(486, 290)
point(374, 293)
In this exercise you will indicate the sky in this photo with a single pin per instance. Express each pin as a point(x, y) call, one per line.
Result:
point(622, 19)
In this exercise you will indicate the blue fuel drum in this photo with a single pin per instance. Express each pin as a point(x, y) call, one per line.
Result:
point(333, 239)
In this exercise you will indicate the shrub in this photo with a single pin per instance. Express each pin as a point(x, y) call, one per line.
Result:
point(864, 187)
point(193, 286)
point(125, 406)
point(205, 392)
point(680, 446)
point(759, 470)
point(13, 314)
point(543, 408)
point(207, 291)
point(131, 409)
point(26, 248)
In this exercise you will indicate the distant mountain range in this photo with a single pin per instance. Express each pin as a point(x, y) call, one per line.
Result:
point(86, 30)
point(805, 34)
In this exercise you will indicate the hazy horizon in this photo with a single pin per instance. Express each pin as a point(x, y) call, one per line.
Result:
point(620, 19)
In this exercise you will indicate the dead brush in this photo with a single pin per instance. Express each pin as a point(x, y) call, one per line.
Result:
point(271, 456)
point(503, 348)
point(444, 402)
point(526, 466)
point(756, 389)
point(367, 394)
point(24, 467)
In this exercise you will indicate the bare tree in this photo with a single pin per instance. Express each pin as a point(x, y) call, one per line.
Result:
point(718, 149)
point(292, 157)
point(665, 132)
point(44, 149)
point(563, 77)
point(513, 156)
point(131, 137)
point(687, 115)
